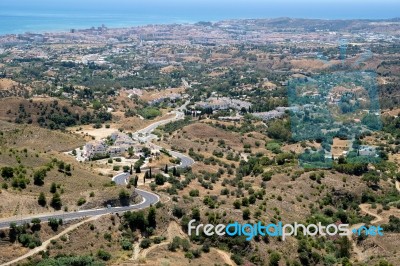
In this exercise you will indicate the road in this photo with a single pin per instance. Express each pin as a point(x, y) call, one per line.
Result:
point(148, 199)
point(145, 135)
point(120, 179)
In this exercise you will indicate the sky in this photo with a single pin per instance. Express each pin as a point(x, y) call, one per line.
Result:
point(215, 8)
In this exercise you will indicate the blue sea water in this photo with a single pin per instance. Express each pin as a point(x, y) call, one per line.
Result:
point(19, 16)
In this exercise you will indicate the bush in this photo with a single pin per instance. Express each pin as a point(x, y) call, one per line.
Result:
point(145, 243)
point(178, 211)
point(246, 214)
point(205, 248)
point(124, 197)
point(56, 201)
point(274, 259)
point(38, 177)
point(149, 113)
point(174, 245)
point(160, 179)
point(189, 255)
point(7, 172)
point(237, 259)
point(42, 199)
point(126, 244)
point(103, 255)
point(194, 193)
point(81, 201)
point(53, 223)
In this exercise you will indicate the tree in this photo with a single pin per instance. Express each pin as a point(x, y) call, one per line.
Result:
point(160, 180)
point(174, 245)
point(68, 168)
point(53, 188)
point(175, 172)
point(237, 204)
point(124, 197)
point(38, 177)
point(371, 178)
point(137, 170)
point(135, 182)
point(151, 217)
point(42, 199)
point(61, 166)
point(274, 259)
point(246, 214)
point(196, 214)
point(53, 223)
point(56, 201)
point(344, 248)
point(194, 193)
point(166, 169)
point(36, 224)
point(7, 172)
point(145, 243)
point(150, 174)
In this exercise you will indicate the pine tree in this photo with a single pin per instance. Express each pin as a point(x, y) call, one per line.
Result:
point(166, 169)
point(56, 201)
point(151, 217)
point(42, 199)
point(53, 188)
point(175, 172)
point(150, 174)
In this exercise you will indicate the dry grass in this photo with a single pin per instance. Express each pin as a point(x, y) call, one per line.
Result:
point(149, 95)
point(38, 139)
point(6, 84)
point(339, 146)
point(10, 251)
point(42, 146)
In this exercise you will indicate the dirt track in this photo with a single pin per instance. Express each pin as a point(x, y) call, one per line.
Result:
point(174, 230)
point(47, 242)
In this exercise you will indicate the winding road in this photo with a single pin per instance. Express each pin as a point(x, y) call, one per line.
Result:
point(148, 199)
point(120, 179)
point(145, 135)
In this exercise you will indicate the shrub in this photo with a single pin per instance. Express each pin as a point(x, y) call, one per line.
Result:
point(194, 193)
point(42, 199)
point(126, 244)
point(145, 243)
point(81, 201)
point(103, 255)
point(56, 201)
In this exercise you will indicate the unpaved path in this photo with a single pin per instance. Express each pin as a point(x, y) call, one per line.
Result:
point(47, 242)
point(225, 256)
point(364, 208)
point(173, 230)
point(360, 256)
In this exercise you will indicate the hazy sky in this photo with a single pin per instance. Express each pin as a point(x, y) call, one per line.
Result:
point(215, 8)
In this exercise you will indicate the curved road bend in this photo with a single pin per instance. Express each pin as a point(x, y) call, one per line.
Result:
point(148, 199)
point(186, 161)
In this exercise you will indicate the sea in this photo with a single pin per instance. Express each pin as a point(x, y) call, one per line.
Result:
point(20, 16)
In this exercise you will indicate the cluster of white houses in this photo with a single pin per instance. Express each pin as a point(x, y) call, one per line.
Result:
point(121, 143)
